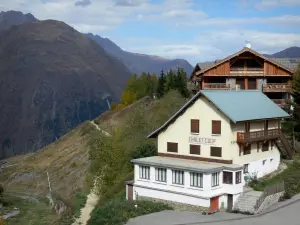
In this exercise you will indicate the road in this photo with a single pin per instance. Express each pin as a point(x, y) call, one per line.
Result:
point(277, 215)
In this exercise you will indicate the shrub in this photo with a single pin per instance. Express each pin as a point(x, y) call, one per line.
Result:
point(118, 212)
point(144, 150)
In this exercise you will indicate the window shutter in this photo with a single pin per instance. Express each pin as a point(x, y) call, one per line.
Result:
point(172, 147)
point(195, 126)
point(216, 151)
point(216, 127)
point(195, 149)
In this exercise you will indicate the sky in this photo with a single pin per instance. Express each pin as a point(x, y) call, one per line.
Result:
point(195, 30)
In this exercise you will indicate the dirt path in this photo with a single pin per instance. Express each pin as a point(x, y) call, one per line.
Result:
point(85, 213)
point(98, 128)
point(92, 198)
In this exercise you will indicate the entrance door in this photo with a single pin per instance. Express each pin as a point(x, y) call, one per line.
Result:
point(229, 202)
point(129, 192)
point(252, 83)
point(214, 204)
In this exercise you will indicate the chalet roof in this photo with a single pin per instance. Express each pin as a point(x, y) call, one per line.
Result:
point(210, 65)
point(185, 164)
point(243, 105)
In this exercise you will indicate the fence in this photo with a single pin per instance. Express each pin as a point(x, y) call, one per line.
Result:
point(276, 188)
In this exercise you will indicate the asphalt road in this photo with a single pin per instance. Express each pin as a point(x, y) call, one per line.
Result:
point(277, 215)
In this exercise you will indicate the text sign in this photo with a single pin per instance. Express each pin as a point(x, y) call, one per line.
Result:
point(202, 140)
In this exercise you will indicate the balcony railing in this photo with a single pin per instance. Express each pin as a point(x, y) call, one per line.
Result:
point(248, 137)
point(250, 71)
point(219, 86)
point(277, 87)
point(281, 102)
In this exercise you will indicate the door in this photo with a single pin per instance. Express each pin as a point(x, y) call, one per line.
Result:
point(214, 204)
point(241, 82)
point(229, 202)
point(129, 192)
point(251, 83)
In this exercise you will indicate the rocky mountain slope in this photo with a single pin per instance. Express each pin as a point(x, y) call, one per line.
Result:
point(52, 78)
point(139, 63)
point(7, 19)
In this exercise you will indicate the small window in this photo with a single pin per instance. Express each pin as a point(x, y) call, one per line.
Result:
point(238, 177)
point(215, 179)
point(246, 167)
point(216, 151)
point(247, 149)
point(172, 147)
point(216, 127)
point(145, 172)
point(196, 179)
point(195, 149)
point(265, 146)
point(227, 177)
point(178, 177)
point(264, 162)
point(195, 126)
point(161, 174)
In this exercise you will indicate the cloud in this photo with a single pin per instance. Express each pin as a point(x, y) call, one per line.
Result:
point(209, 46)
point(83, 3)
point(130, 2)
point(265, 4)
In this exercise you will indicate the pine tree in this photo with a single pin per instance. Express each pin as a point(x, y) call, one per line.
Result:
point(161, 84)
point(181, 83)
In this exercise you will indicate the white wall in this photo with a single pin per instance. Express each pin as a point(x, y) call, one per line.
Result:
point(207, 191)
point(180, 130)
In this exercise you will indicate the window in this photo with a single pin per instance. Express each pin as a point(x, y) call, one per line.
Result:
point(215, 179)
point(238, 177)
point(194, 126)
point(264, 162)
point(216, 127)
point(195, 149)
point(247, 149)
point(227, 177)
point(145, 172)
point(161, 174)
point(265, 146)
point(172, 147)
point(246, 166)
point(196, 179)
point(178, 177)
point(216, 151)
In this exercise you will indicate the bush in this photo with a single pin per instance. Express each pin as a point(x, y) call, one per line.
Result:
point(118, 212)
point(144, 150)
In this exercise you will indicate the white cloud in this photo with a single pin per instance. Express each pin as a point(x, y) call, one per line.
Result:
point(213, 45)
point(265, 4)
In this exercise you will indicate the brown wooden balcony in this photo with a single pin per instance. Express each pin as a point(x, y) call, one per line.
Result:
point(277, 87)
point(248, 71)
point(281, 102)
point(216, 86)
point(249, 137)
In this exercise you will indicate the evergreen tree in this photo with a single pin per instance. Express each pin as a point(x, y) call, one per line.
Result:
point(170, 81)
point(161, 84)
point(181, 83)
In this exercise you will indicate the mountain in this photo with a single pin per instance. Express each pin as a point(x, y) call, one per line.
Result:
point(7, 19)
point(139, 63)
point(292, 52)
point(52, 78)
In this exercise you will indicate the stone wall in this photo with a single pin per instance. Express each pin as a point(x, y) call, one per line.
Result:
point(177, 206)
point(269, 201)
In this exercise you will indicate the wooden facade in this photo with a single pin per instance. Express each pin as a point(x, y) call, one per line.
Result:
point(246, 70)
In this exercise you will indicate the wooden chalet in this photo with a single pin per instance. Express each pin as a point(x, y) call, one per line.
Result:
point(245, 70)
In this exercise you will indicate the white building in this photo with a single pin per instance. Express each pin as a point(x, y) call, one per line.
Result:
point(206, 149)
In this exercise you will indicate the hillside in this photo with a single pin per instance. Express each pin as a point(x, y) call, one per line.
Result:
point(52, 79)
point(67, 159)
point(7, 19)
point(292, 52)
point(139, 63)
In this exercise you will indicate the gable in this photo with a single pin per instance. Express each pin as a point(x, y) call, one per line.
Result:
point(222, 67)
